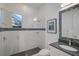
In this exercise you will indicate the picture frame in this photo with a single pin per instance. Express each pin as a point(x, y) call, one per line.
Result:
point(52, 26)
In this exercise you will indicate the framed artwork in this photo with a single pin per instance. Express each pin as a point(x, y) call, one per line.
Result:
point(52, 26)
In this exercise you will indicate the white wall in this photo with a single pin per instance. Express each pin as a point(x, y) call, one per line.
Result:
point(49, 11)
point(28, 14)
point(27, 39)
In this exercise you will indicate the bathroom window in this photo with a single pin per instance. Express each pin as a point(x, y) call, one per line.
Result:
point(16, 20)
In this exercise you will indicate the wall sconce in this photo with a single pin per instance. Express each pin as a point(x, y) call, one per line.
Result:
point(35, 19)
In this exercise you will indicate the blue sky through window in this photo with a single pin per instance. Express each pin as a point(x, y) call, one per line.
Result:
point(16, 19)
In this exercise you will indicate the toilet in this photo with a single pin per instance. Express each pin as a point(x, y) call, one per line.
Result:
point(43, 52)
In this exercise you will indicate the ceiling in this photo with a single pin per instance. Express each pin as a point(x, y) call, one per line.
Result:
point(35, 5)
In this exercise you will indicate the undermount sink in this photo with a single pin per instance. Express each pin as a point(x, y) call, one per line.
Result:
point(68, 48)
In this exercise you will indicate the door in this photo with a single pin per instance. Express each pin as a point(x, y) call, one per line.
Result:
point(11, 42)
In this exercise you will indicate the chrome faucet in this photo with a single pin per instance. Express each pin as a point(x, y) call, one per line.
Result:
point(70, 41)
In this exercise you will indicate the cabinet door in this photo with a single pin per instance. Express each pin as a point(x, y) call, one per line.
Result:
point(67, 23)
point(76, 23)
point(1, 44)
point(11, 43)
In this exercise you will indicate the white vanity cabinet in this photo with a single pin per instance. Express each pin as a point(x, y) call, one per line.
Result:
point(1, 45)
point(9, 43)
point(57, 52)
